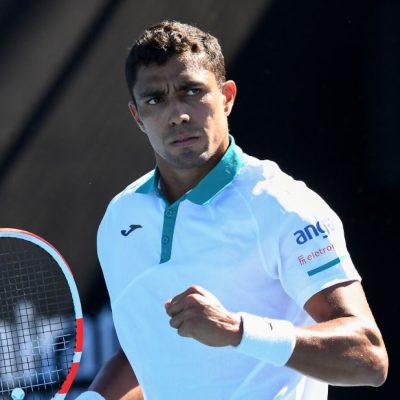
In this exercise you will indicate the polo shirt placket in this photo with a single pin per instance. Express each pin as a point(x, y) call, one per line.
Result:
point(202, 194)
point(170, 215)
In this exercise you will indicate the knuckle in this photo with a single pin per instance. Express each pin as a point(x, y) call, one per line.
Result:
point(195, 288)
point(191, 298)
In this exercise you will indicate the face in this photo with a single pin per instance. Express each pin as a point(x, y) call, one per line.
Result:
point(183, 111)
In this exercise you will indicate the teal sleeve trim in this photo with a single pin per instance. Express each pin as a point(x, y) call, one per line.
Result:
point(324, 267)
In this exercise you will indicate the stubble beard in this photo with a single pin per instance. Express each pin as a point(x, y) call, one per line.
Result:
point(188, 158)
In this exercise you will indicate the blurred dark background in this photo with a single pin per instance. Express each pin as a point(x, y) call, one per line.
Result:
point(319, 93)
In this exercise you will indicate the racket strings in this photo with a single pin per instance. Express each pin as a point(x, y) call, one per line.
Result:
point(37, 319)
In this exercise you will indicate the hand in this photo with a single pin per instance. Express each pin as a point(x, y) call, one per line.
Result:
point(198, 314)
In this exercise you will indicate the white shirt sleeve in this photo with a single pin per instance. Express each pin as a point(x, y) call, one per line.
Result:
point(312, 247)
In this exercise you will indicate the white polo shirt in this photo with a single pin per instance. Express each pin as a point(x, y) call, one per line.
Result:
point(258, 240)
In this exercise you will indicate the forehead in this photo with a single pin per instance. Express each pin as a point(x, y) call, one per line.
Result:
point(176, 69)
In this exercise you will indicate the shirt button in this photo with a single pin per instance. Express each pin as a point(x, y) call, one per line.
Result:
point(165, 239)
point(169, 213)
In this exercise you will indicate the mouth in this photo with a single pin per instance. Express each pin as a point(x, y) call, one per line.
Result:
point(185, 140)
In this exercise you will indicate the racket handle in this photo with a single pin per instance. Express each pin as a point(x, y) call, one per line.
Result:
point(90, 395)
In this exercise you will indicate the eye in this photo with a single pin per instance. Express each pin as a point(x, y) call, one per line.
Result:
point(193, 91)
point(153, 101)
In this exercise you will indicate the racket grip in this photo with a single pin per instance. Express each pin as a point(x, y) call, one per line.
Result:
point(90, 395)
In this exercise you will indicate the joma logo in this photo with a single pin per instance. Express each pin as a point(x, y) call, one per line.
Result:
point(310, 232)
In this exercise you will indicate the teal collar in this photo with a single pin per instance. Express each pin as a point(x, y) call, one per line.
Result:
point(213, 183)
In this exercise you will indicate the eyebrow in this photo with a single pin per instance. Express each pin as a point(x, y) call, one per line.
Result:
point(189, 84)
point(149, 93)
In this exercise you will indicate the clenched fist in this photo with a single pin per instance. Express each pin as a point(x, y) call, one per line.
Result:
point(198, 314)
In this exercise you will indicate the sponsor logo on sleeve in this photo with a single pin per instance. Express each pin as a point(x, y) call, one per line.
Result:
point(305, 259)
point(309, 232)
point(308, 260)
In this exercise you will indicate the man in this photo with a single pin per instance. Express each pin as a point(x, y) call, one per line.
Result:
point(227, 278)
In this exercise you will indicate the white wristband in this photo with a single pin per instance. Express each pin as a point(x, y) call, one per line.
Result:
point(90, 395)
point(270, 340)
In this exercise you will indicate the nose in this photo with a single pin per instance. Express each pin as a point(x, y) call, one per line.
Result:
point(178, 114)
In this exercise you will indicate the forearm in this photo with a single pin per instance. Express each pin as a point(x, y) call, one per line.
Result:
point(116, 380)
point(345, 351)
point(344, 348)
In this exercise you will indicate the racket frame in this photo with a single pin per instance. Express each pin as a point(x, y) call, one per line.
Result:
point(62, 263)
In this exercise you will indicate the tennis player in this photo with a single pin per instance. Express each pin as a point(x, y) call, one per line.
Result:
point(227, 278)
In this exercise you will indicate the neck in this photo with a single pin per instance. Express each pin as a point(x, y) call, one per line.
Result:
point(176, 182)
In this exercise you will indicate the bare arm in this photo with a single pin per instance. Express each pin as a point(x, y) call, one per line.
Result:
point(116, 380)
point(344, 347)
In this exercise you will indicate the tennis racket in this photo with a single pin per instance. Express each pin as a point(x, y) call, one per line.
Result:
point(41, 324)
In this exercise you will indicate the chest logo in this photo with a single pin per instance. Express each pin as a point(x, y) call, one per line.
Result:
point(130, 230)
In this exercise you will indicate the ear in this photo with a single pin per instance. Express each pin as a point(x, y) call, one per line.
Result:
point(135, 115)
point(229, 92)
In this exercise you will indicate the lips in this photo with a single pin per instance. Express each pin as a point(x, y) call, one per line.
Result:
point(185, 140)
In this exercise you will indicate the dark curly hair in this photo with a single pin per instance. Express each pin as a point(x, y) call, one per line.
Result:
point(166, 39)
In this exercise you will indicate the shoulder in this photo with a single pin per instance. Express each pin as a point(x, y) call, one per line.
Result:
point(128, 201)
point(281, 204)
point(263, 181)
point(138, 186)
